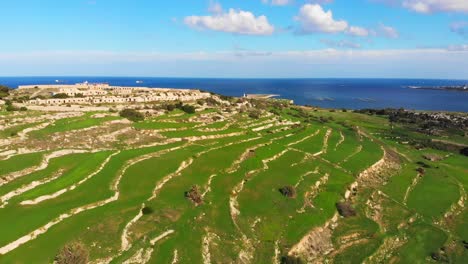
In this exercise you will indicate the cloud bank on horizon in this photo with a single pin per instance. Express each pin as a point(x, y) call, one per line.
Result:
point(257, 38)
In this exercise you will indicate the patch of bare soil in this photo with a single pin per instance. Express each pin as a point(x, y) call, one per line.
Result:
point(194, 195)
point(379, 173)
point(385, 252)
point(316, 244)
point(312, 193)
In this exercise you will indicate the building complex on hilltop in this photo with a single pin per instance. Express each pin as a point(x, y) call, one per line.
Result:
point(103, 93)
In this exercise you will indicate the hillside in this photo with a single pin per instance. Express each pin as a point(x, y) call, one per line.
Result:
point(238, 181)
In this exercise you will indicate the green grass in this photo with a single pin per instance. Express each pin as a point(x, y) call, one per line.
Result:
point(423, 240)
point(74, 123)
point(283, 220)
point(20, 162)
point(429, 199)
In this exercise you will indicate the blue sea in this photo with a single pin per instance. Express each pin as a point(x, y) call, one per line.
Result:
point(327, 93)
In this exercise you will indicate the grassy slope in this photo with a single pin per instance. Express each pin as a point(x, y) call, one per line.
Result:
point(101, 228)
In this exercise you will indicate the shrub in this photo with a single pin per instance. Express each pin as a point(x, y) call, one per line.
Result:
point(73, 253)
point(194, 195)
point(23, 109)
point(132, 115)
point(11, 108)
point(275, 112)
point(255, 114)
point(147, 210)
point(288, 191)
point(211, 101)
point(421, 170)
point(4, 91)
point(60, 96)
point(464, 151)
point(170, 107)
point(189, 109)
point(345, 209)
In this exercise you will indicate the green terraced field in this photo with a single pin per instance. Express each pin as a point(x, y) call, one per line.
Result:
point(205, 188)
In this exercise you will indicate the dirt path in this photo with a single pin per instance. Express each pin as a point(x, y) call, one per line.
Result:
point(313, 192)
point(72, 187)
point(325, 141)
point(357, 151)
point(44, 164)
point(208, 186)
point(304, 139)
point(175, 259)
point(233, 203)
point(316, 244)
point(125, 244)
point(114, 187)
point(4, 199)
point(342, 139)
point(410, 188)
point(301, 179)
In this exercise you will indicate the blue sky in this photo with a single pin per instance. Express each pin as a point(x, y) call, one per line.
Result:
point(240, 38)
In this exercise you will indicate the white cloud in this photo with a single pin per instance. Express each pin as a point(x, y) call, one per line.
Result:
point(387, 31)
point(215, 7)
point(450, 62)
point(458, 47)
point(278, 2)
point(341, 44)
point(431, 6)
point(460, 28)
point(314, 19)
point(234, 21)
point(358, 31)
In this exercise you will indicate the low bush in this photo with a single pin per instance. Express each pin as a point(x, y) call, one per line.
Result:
point(464, 151)
point(288, 191)
point(189, 109)
point(132, 115)
point(345, 209)
point(73, 253)
point(60, 96)
point(147, 210)
point(255, 114)
point(194, 195)
point(4, 91)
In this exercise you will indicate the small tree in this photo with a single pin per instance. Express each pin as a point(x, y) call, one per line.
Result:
point(73, 253)
point(147, 210)
point(194, 195)
point(288, 191)
point(464, 151)
point(132, 115)
point(189, 109)
point(4, 91)
point(60, 96)
point(255, 114)
point(345, 209)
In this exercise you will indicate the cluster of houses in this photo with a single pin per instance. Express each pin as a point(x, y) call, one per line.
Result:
point(86, 93)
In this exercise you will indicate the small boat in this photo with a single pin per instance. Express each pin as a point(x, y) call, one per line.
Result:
point(139, 82)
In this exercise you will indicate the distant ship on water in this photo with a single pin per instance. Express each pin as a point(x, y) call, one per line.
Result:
point(139, 82)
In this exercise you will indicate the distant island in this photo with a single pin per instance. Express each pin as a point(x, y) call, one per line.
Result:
point(463, 88)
